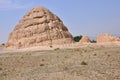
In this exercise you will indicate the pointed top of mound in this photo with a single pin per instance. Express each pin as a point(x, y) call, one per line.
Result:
point(38, 8)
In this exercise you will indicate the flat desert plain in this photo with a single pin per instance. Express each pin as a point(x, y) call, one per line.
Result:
point(83, 63)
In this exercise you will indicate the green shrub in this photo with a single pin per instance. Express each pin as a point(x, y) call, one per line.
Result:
point(77, 38)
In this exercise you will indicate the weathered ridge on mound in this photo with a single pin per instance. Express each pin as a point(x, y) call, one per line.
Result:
point(39, 27)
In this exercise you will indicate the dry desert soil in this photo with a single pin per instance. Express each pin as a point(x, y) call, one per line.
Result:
point(83, 63)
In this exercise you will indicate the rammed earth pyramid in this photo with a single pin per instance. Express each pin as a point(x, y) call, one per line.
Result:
point(39, 27)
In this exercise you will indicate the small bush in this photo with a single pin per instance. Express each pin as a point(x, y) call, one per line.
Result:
point(108, 55)
point(51, 46)
point(0, 68)
point(83, 63)
point(65, 68)
point(41, 64)
point(3, 44)
point(77, 38)
point(94, 54)
point(57, 49)
point(43, 60)
point(93, 41)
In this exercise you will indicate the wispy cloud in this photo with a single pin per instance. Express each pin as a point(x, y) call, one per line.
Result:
point(11, 4)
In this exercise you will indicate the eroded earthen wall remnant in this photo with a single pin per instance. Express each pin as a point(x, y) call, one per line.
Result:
point(103, 38)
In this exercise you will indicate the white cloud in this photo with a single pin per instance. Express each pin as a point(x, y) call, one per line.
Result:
point(11, 4)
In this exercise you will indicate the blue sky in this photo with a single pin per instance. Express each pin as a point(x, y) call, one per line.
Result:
point(82, 17)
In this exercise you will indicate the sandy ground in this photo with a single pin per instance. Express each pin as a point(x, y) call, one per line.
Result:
point(83, 63)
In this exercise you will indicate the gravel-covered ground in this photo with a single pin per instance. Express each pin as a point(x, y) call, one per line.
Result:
point(85, 63)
